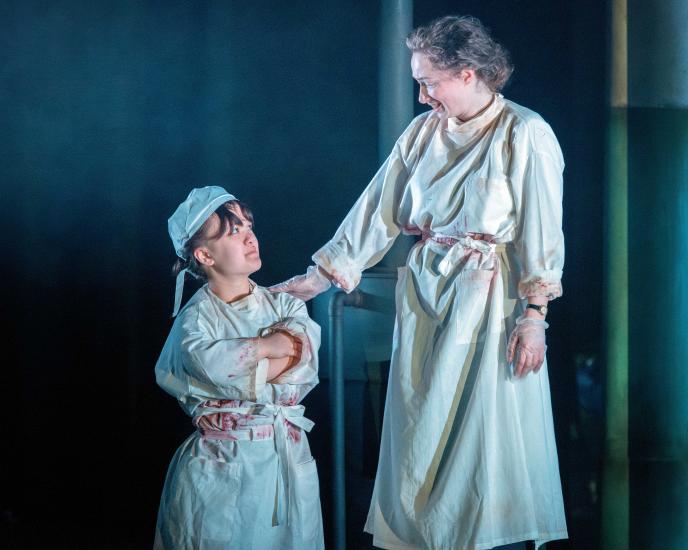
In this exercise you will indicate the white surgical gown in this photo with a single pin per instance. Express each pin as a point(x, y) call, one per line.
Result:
point(468, 457)
point(246, 478)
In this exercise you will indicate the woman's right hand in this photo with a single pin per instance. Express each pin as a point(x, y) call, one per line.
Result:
point(315, 281)
point(278, 345)
point(526, 347)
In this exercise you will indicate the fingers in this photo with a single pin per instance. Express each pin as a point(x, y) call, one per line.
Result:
point(526, 348)
point(298, 347)
point(542, 359)
point(294, 356)
point(528, 360)
point(341, 283)
point(295, 345)
point(511, 347)
point(290, 344)
point(538, 357)
point(523, 358)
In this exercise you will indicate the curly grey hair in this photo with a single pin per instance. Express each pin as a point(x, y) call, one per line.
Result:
point(462, 42)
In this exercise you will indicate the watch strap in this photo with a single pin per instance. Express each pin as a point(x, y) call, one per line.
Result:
point(541, 309)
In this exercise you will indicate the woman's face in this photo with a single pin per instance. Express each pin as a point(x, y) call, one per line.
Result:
point(449, 94)
point(236, 252)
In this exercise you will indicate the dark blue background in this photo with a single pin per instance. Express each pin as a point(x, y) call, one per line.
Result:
point(112, 111)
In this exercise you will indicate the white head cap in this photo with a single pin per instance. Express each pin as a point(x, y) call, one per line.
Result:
point(187, 219)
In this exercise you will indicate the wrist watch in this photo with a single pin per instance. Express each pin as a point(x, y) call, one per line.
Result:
point(542, 310)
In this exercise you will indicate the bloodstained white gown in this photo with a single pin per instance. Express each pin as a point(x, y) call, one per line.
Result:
point(468, 458)
point(245, 478)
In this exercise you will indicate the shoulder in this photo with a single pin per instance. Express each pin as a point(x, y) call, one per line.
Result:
point(418, 130)
point(424, 120)
point(196, 312)
point(283, 303)
point(530, 131)
point(526, 121)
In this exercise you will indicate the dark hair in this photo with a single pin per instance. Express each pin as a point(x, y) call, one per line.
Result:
point(228, 220)
point(461, 42)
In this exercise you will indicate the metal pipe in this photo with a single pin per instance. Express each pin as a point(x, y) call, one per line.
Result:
point(338, 301)
point(396, 111)
point(395, 95)
point(395, 85)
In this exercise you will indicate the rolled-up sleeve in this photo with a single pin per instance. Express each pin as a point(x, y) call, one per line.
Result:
point(372, 224)
point(299, 325)
point(539, 238)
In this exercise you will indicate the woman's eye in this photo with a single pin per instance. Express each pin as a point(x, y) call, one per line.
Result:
point(234, 230)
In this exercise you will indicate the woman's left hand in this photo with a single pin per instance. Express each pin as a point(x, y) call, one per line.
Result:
point(526, 347)
point(304, 287)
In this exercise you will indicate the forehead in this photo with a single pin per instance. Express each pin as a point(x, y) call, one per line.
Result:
point(422, 68)
point(213, 222)
point(234, 209)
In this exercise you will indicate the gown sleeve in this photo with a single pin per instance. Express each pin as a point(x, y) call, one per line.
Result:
point(372, 225)
point(294, 384)
point(539, 239)
point(229, 363)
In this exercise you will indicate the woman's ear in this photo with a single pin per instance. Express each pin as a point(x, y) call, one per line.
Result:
point(467, 76)
point(203, 256)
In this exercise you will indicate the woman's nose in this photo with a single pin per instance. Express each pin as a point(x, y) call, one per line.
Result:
point(422, 95)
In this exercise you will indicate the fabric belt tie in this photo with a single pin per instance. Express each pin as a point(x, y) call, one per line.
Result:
point(459, 246)
point(282, 416)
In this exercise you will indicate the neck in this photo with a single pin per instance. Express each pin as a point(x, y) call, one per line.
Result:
point(230, 290)
point(482, 101)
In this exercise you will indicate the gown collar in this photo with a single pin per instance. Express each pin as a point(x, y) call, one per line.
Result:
point(250, 301)
point(455, 126)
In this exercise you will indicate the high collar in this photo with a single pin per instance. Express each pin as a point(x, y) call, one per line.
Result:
point(250, 301)
point(455, 126)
